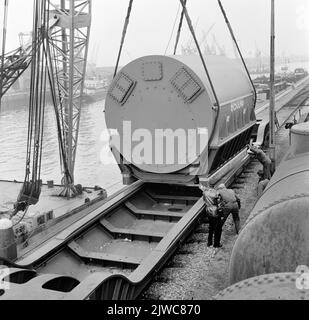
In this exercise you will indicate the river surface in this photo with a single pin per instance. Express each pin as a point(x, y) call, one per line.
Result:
point(89, 170)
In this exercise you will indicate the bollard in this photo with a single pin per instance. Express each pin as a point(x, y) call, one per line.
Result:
point(8, 247)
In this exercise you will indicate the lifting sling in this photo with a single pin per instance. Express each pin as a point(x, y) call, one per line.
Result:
point(31, 189)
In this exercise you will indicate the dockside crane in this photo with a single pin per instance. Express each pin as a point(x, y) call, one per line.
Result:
point(68, 42)
point(58, 55)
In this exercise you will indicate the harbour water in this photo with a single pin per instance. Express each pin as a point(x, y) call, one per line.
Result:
point(89, 170)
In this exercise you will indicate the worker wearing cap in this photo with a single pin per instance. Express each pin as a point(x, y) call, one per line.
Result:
point(264, 159)
point(230, 204)
point(211, 198)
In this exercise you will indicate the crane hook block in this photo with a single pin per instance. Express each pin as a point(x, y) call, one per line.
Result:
point(30, 192)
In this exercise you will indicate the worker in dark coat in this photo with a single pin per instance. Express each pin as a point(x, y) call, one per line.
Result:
point(230, 204)
point(264, 159)
point(211, 198)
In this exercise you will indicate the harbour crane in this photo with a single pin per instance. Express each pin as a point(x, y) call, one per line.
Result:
point(58, 51)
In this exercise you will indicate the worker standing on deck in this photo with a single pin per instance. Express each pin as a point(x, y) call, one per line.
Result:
point(230, 204)
point(211, 198)
point(264, 159)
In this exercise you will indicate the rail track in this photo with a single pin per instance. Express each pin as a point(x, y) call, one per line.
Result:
point(293, 107)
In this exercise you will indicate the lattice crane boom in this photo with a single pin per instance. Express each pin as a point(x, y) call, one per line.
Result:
point(15, 63)
point(69, 42)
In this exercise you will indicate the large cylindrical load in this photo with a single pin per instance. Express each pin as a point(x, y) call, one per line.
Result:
point(8, 248)
point(156, 97)
point(278, 286)
point(275, 237)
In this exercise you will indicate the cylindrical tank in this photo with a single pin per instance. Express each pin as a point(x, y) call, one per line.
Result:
point(156, 93)
point(275, 237)
point(8, 248)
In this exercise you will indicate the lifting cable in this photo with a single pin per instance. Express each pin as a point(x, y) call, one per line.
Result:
point(124, 32)
point(217, 104)
point(179, 28)
point(5, 17)
point(174, 25)
point(31, 188)
point(186, 14)
point(237, 46)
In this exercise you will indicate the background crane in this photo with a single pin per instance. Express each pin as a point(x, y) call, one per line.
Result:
point(13, 66)
point(15, 62)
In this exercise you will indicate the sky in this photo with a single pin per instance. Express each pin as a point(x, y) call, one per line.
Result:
point(152, 21)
